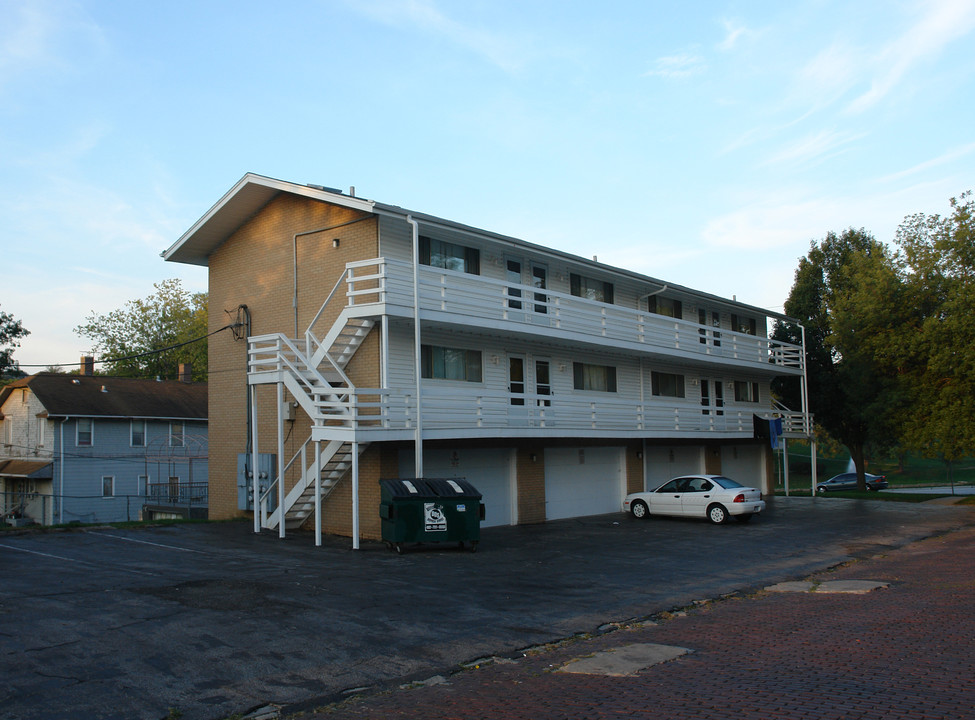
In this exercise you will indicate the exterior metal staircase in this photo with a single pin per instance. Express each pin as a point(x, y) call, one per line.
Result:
point(315, 377)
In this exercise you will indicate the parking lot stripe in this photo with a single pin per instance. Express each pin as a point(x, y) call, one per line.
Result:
point(73, 560)
point(145, 542)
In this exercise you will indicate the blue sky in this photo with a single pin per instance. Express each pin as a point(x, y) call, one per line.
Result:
point(703, 143)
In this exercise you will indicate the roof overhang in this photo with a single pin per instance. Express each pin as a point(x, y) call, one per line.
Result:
point(243, 201)
point(26, 468)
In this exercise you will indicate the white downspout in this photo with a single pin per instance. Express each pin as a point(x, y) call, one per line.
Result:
point(255, 468)
point(61, 478)
point(418, 470)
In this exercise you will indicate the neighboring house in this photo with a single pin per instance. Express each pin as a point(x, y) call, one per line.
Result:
point(553, 383)
point(84, 448)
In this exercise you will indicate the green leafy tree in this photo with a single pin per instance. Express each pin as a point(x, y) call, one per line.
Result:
point(936, 352)
point(11, 332)
point(844, 279)
point(151, 337)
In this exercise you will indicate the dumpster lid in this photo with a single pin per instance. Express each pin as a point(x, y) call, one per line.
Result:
point(452, 487)
point(407, 487)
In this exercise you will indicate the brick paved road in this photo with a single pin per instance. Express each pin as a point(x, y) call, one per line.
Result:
point(901, 652)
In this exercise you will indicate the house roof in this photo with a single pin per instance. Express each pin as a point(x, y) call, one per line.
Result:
point(252, 192)
point(97, 396)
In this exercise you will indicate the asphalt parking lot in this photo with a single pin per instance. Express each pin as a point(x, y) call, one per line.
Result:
point(204, 621)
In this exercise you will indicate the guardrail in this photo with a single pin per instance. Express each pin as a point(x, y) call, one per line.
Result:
point(478, 299)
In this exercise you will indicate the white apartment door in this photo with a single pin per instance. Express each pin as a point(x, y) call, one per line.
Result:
point(712, 403)
point(710, 334)
point(512, 276)
point(518, 410)
point(539, 282)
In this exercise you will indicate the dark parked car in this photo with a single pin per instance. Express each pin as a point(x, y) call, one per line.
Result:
point(848, 481)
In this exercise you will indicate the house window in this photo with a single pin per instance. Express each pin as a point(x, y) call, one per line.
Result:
point(41, 431)
point(137, 433)
point(108, 486)
point(84, 430)
point(666, 306)
point(175, 434)
point(745, 325)
point(601, 378)
point(8, 432)
point(449, 256)
point(746, 391)
point(667, 384)
point(443, 363)
point(591, 289)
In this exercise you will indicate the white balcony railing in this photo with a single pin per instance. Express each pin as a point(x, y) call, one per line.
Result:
point(474, 300)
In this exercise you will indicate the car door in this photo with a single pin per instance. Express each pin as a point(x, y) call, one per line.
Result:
point(666, 500)
point(697, 496)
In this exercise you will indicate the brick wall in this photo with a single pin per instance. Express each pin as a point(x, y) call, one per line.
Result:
point(531, 485)
point(254, 267)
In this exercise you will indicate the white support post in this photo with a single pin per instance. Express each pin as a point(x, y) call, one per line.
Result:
point(418, 454)
point(280, 387)
point(355, 495)
point(318, 494)
point(785, 464)
point(255, 469)
point(812, 453)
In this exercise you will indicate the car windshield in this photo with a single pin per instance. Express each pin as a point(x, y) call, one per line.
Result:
point(726, 483)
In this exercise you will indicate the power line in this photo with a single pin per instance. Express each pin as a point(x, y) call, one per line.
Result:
point(137, 355)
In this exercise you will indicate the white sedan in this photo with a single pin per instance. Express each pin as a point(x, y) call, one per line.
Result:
point(714, 497)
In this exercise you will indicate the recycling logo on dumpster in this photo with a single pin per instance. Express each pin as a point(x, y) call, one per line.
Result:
point(434, 519)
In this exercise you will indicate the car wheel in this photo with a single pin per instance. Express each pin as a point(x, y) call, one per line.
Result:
point(717, 514)
point(640, 509)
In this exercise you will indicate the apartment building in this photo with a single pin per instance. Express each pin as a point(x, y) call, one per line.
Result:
point(368, 341)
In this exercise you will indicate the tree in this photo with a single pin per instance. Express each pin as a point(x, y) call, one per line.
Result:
point(936, 354)
point(843, 291)
point(151, 337)
point(11, 332)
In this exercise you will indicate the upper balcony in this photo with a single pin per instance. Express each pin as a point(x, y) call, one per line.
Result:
point(447, 297)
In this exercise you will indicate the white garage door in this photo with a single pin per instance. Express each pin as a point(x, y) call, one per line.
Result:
point(487, 470)
point(582, 481)
point(664, 463)
point(744, 463)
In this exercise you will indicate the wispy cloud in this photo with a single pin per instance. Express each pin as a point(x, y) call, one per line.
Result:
point(814, 147)
point(45, 36)
point(506, 51)
point(940, 161)
point(677, 67)
point(942, 22)
point(734, 31)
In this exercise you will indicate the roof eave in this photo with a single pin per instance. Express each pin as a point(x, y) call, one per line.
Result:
point(251, 193)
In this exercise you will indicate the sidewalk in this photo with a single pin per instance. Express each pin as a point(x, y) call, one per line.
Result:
point(901, 651)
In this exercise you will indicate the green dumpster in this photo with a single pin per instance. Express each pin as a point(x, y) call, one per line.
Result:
point(430, 510)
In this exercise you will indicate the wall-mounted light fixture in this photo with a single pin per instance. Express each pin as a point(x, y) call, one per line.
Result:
point(533, 457)
point(336, 242)
point(639, 455)
point(494, 359)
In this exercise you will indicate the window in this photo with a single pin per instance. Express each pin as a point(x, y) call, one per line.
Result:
point(8, 432)
point(449, 256)
point(601, 378)
point(84, 430)
point(175, 434)
point(41, 431)
point(743, 324)
point(137, 433)
point(666, 306)
point(443, 363)
point(746, 391)
point(667, 384)
point(590, 289)
point(108, 486)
